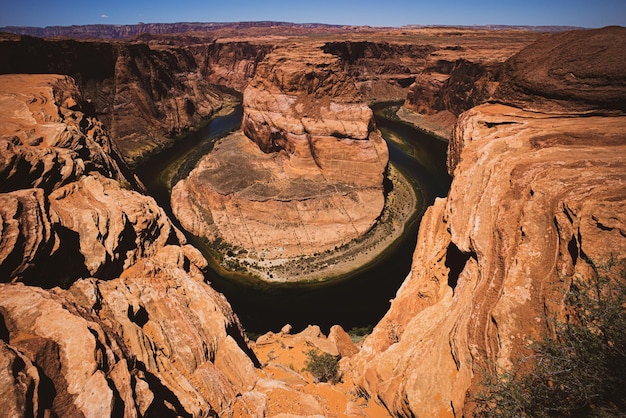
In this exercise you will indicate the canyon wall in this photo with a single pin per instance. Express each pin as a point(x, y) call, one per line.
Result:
point(104, 310)
point(104, 307)
point(153, 88)
point(536, 199)
point(147, 91)
point(460, 74)
point(115, 318)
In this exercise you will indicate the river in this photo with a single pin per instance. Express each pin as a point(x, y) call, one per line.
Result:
point(359, 301)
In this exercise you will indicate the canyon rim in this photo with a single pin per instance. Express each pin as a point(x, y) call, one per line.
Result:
point(104, 307)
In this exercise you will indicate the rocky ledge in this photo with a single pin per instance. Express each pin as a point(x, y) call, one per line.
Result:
point(536, 200)
point(306, 175)
point(108, 330)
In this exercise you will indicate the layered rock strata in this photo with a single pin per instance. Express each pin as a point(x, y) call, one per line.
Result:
point(461, 73)
point(156, 87)
point(147, 92)
point(121, 322)
point(155, 339)
point(536, 199)
point(308, 174)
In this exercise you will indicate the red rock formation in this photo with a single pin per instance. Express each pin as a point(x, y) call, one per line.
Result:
point(231, 63)
point(48, 144)
point(146, 93)
point(536, 199)
point(155, 339)
point(312, 178)
point(571, 71)
point(462, 72)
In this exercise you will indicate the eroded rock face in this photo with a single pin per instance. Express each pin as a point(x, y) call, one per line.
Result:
point(302, 103)
point(154, 340)
point(145, 94)
point(571, 71)
point(27, 233)
point(46, 139)
point(308, 175)
point(48, 144)
point(231, 64)
point(115, 226)
point(462, 72)
point(536, 199)
point(177, 328)
point(164, 340)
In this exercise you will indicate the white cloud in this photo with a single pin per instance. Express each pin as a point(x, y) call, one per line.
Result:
point(104, 16)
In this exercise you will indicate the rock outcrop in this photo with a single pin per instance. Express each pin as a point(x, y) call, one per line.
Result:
point(559, 74)
point(104, 310)
point(48, 143)
point(462, 72)
point(157, 86)
point(153, 340)
point(382, 70)
point(308, 174)
point(536, 199)
point(147, 92)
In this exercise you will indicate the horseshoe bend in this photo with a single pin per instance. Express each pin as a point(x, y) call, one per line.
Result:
point(302, 179)
point(108, 308)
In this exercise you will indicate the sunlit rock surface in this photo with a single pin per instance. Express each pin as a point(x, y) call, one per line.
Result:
point(536, 198)
point(307, 177)
point(153, 340)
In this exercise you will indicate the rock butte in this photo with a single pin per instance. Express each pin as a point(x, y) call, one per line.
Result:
point(308, 174)
point(104, 310)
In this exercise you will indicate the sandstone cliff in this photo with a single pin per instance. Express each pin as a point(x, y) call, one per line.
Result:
point(155, 339)
point(462, 72)
point(536, 199)
point(152, 88)
point(133, 329)
point(308, 175)
point(146, 92)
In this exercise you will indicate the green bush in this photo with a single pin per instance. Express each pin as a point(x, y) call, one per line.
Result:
point(324, 367)
point(580, 373)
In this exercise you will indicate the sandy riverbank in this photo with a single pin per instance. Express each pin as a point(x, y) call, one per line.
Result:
point(400, 209)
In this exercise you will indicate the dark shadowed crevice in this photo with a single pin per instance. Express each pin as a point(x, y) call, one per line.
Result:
point(4, 331)
point(494, 124)
point(140, 317)
point(572, 247)
point(235, 332)
point(64, 267)
point(455, 261)
point(113, 268)
point(118, 403)
point(164, 398)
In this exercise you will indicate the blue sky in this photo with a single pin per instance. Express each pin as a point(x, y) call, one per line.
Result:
point(585, 13)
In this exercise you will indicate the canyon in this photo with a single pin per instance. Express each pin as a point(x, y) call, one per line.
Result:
point(104, 307)
point(304, 176)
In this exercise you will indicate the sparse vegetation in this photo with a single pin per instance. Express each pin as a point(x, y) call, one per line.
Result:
point(324, 367)
point(581, 372)
point(357, 334)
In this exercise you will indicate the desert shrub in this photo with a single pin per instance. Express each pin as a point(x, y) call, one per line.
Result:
point(324, 367)
point(357, 334)
point(581, 372)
